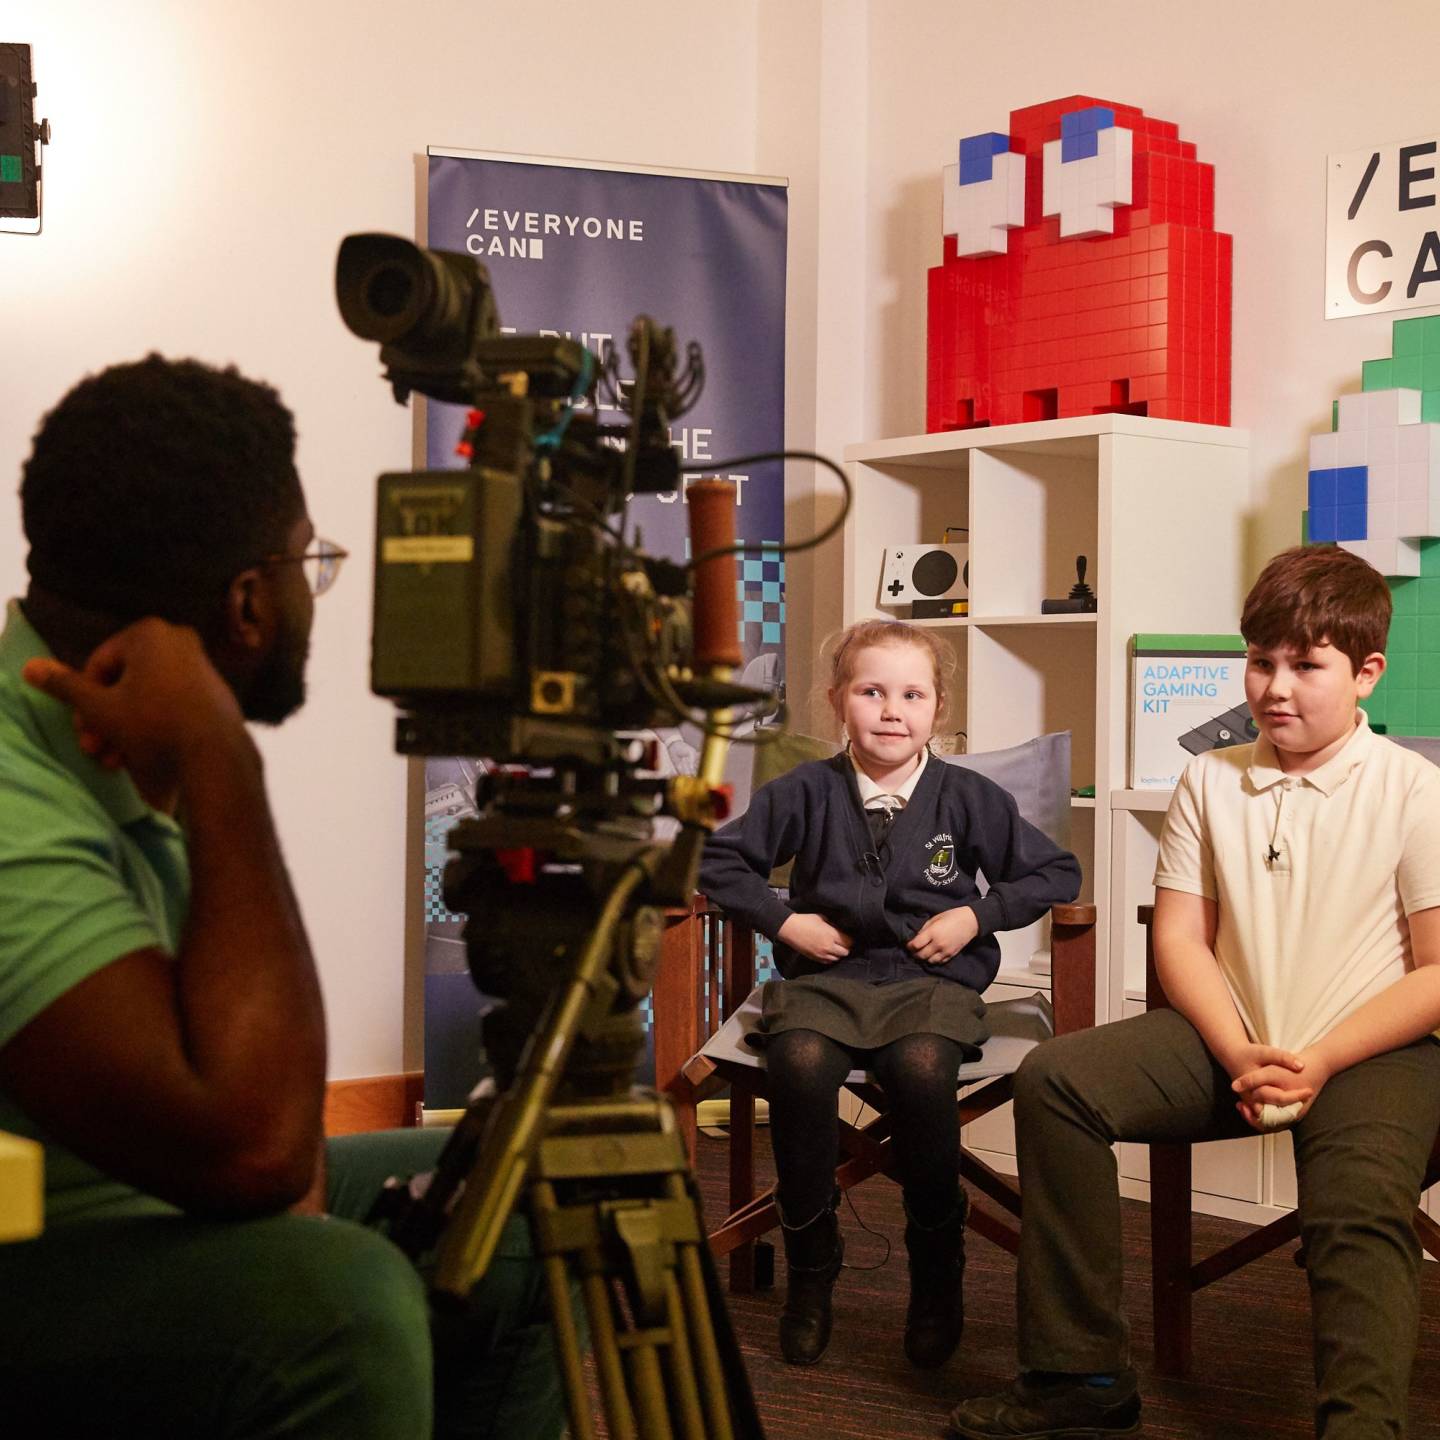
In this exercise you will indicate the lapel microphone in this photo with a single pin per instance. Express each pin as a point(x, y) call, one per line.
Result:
point(1271, 855)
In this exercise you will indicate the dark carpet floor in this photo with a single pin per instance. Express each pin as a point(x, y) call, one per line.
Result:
point(1252, 1375)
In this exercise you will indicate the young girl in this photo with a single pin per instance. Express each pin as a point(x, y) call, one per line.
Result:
point(885, 943)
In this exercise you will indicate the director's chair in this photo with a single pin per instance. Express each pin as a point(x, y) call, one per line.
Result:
point(1016, 1025)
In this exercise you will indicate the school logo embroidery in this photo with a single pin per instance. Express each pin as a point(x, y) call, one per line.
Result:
point(941, 865)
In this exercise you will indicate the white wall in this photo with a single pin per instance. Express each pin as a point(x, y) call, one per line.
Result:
point(1264, 90)
point(206, 161)
point(812, 127)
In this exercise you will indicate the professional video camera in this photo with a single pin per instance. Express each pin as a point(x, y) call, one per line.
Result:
point(514, 620)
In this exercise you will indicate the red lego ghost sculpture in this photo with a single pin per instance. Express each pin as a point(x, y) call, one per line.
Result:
point(1082, 273)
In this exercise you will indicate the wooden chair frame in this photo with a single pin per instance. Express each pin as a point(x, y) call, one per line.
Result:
point(866, 1148)
point(1176, 1275)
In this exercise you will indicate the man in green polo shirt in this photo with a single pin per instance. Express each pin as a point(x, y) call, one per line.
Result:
point(161, 1026)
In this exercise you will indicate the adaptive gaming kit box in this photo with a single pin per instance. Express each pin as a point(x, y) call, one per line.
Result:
point(1187, 696)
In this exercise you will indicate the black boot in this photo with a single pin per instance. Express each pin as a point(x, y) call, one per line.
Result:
point(936, 1317)
point(813, 1255)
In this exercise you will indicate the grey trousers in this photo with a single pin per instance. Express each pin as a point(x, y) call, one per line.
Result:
point(1360, 1157)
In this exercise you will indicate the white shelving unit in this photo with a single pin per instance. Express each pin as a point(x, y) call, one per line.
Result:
point(1157, 507)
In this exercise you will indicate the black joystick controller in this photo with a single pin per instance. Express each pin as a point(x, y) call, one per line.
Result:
point(1081, 599)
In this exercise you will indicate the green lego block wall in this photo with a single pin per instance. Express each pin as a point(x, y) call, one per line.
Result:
point(1407, 699)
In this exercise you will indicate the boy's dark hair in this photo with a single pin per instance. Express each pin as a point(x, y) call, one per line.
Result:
point(1319, 594)
point(151, 485)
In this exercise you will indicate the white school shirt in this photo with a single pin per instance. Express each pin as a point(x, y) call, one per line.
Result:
point(872, 797)
point(1308, 936)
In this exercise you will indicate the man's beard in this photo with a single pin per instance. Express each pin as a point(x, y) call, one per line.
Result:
point(278, 688)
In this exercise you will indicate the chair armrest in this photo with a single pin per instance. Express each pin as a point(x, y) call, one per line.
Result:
point(1072, 967)
point(736, 972)
point(1155, 997)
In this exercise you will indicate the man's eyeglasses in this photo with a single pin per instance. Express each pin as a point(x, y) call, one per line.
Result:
point(320, 564)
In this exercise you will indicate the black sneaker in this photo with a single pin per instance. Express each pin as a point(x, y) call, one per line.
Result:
point(1064, 1409)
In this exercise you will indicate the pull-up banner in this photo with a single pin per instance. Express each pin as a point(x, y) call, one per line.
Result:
point(577, 249)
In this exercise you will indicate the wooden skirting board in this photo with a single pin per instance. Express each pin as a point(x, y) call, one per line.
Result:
point(376, 1102)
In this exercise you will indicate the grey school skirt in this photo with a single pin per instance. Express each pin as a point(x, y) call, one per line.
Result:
point(862, 1016)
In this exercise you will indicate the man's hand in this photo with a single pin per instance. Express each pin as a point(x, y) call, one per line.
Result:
point(148, 699)
point(815, 936)
point(945, 935)
point(1266, 1075)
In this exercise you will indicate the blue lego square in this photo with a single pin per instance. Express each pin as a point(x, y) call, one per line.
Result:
point(1322, 490)
point(1324, 525)
point(754, 569)
point(976, 169)
point(770, 590)
point(1350, 522)
point(770, 633)
point(1351, 488)
point(1088, 121)
point(1079, 147)
point(991, 142)
point(754, 610)
point(977, 156)
point(739, 589)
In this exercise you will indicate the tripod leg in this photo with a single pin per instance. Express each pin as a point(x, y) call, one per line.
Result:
point(647, 1385)
point(619, 1415)
point(697, 1311)
point(687, 1393)
point(567, 1348)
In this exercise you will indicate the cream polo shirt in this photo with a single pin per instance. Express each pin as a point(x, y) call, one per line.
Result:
point(1313, 875)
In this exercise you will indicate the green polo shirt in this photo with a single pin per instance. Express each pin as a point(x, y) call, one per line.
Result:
point(88, 873)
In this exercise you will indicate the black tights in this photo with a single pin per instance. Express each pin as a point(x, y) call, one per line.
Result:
point(917, 1073)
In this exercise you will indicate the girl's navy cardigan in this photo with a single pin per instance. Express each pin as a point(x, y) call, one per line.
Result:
point(957, 823)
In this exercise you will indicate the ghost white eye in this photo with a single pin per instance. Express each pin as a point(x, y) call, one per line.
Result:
point(1089, 171)
point(984, 195)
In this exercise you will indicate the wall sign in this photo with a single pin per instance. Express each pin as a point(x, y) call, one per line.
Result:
point(1382, 229)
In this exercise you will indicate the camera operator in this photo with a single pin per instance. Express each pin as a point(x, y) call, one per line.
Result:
point(161, 1026)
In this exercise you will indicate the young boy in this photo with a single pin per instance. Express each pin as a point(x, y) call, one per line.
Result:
point(1297, 934)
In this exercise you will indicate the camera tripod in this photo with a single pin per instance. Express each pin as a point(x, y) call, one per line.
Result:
point(563, 884)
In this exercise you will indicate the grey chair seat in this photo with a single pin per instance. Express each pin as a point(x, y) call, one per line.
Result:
point(1016, 1028)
